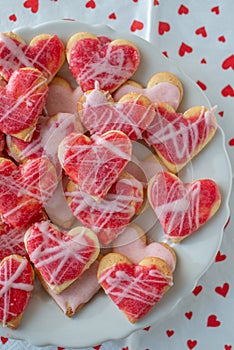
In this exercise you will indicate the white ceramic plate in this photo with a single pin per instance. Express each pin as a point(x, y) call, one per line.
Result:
point(43, 322)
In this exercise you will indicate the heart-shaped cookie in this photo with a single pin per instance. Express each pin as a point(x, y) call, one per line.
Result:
point(25, 189)
point(45, 52)
point(132, 114)
point(21, 102)
point(95, 163)
point(135, 289)
point(16, 285)
point(61, 257)
point(93, 58)
point(182, 208)
point(109, 217)
point(133, 244)
point(161, 87)
point(178, 137)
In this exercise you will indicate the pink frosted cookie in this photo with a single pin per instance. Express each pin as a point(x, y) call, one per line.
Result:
point(162, 87)
point(62, 98)
point(61, 257)
point(45, 52)
point(182, 208)
point(95, 163)
point(16, 286)
point(93, 58)
point(21, 102)
point(178, 137)
point(133, 244)
point(132, 114)
point(79, 293)
point(25, 189)
point(134, 288)
point(109, 217)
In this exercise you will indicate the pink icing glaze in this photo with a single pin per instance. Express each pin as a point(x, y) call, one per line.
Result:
point(79, 292)
point(162, 92)
point(130, 244)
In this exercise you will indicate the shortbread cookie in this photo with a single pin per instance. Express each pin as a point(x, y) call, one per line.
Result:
point(21, 102)
point(45, 52)
point(132, 114)
point(182, 208)
point(95, 163)
point(61, 257)
point(109, 217)
point(133, 244)
point(161, 87)
point(178, 137)
point(96, 58)
point(16, 286)
point(134, 288)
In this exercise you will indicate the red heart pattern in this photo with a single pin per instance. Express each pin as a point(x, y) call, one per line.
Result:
point(33, 5)
point(185, 49)
point(182, 208)
point(228, 62)
point(60, 257)
point(213, 321)
point(95, 163)
point(136, 25)
point(45, 53)
point(16, 283)
point(163, 27)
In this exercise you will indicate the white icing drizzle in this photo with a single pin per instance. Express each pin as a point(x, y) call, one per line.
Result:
point(8, 282)
point(11, 240)
point(134, 288)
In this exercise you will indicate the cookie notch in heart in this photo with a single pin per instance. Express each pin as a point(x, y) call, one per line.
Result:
point(178, 137)
point(93, 58)
point(60, 257)
point(16, 286)
point(182, 208)
point(132, 114)
point(45, 52)
point(135, 289)
point(95, 163)
point(161, 87)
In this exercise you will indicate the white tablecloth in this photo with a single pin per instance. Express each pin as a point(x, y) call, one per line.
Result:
point(199, 36)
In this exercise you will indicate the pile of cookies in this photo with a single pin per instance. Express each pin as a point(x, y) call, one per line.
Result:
point(71, 185)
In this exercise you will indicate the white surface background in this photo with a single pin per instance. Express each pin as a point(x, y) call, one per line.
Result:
point(189, 326)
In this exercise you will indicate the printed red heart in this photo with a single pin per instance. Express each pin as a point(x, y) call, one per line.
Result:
point(136, 25)
point(201, 85)
point(231, 142)
point(222, 39)
point(147, 328)
point(215, 10)
point(156, 2)
point(135, 289)
point(221, 113)
point(32, 4)
point(203, 61)
point(178, 137)
point(13, 18)
point(212, 321)
point(183, 10)
point(95, 163)
point(191, 344)
point(222, 290)
point(228, 62)
point(170, 332)
point(182, 208)
point(227, 347)
point(189, 315)
point(16, 283)
point(165, 53)
point(60, 257)
point(220, 257)
point(197, 290)
point(163, 27)
point(227, 91)
point(132, 114)
point(112, 16)
point(90, 4)
point(45, 52)
point(184, 48)
point(25, 189)
point(4, 340)
point(109, 217)
point(21, 102)
point(201, 31)
point(93, 58)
